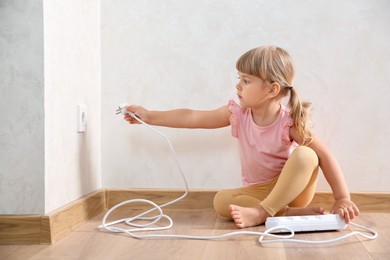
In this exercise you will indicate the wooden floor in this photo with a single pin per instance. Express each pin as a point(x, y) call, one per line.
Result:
point(86, 242)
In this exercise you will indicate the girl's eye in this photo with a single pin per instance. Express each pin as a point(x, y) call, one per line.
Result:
point(244, 80)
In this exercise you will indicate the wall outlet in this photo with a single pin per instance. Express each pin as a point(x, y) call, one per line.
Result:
point(81, 118)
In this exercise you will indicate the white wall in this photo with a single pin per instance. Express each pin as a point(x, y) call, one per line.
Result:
point(182, 54)
point(72, 76)
point(176, 54)
point(21, 108)
point(49, 63)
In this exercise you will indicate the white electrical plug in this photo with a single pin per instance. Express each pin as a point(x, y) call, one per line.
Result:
point(122, 110)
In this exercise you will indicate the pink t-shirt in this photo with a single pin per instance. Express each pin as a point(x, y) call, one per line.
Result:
point(263, 150)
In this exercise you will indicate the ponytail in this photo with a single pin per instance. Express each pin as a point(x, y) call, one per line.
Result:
point(300, 114)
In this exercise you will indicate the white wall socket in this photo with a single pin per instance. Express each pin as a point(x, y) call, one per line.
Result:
point(81, 118)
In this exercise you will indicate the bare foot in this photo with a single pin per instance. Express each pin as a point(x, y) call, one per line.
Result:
point(248, 217)
point(304, 211)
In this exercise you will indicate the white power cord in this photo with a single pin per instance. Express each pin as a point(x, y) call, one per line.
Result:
point(158, 208)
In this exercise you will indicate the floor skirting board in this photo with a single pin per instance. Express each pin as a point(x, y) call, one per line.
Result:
point(47, 229)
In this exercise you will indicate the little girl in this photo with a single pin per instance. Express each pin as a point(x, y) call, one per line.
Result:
point(280, 156)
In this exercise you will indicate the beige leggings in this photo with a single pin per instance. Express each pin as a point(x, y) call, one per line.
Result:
point(294, 187)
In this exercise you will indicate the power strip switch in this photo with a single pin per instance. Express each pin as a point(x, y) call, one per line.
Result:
point(305, 223)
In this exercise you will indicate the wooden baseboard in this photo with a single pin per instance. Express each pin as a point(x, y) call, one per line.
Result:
point(47, 229)
point(367, 202)
point(64, 220)
point(24, 229)
point(195, 199)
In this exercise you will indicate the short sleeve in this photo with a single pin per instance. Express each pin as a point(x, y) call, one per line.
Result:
point(234, 108)
point(286, 132)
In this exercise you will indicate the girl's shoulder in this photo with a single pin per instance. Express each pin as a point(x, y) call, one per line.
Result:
point(235, 107)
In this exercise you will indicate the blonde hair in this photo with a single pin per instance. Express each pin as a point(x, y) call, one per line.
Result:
point(274, 64)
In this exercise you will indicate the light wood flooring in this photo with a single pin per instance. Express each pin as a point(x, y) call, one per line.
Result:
point(86, 242)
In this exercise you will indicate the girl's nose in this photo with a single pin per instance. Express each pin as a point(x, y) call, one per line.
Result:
point(238, 87)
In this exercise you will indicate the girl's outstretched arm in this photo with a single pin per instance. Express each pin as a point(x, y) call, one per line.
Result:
point(181, 118)
point(343, 204)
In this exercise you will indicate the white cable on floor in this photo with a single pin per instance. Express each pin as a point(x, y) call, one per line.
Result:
point(158, 208)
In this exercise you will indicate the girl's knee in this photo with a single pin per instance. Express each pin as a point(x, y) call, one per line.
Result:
point(305, 155)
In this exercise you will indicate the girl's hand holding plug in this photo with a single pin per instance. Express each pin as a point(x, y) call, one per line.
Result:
point(139, 111)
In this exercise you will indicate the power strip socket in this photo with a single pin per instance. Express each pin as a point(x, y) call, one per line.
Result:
point(306, 223)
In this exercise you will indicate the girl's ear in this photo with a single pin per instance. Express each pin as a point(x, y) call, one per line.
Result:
point(274, 89)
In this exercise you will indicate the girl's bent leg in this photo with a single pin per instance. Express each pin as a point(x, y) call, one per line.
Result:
point(295, 186)
point(296, 183)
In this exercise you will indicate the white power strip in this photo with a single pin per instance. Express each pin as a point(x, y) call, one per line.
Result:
point(306, 223)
